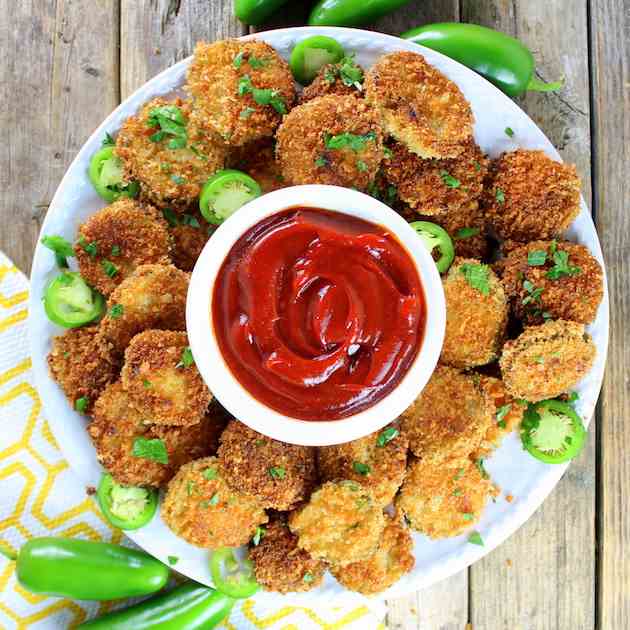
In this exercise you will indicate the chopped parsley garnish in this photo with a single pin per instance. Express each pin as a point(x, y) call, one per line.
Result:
point(572, 397)
point(362, 469)
point(262, 96)
point(467, 232)
point(477, 276)
point(187, 359)
point(308, 577)
point(321, 161)
point(91, 249)
point(477, 166)
point(388, 153)
point(209, 473)
point(178, 179)
point(475, 539)
point(60, 247)
point(81, 404)
point(499, 195)
point(449, 180)
point(509, 132)
point(386, 436)
point(116, 311)
point(501, 413)
point(115, 250)
point(214, 499)
point(108, 140)
point(362, 166)
point(257, 63)
point(154, 450)
point(191, 220)
point(258, 535)
point(458, 492)
point(191, 487)
point(171, 123)
point(109, 268)
point(561, 266)
point(173, 560)
point(349, 140)
point(238, 60)
point(482, 470)
point(350, 73)
point(171, 217)
point(459, 474)
point(467, 516)
point(146, 383)
point(533, 291)
point(246, 112)
point(536, 258)
point(539, 359)
point(276, 472)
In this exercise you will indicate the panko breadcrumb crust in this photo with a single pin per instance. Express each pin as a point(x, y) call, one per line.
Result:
point(219, 105)
point(200, 507)
point(419, 106)
point(393, 558)
point(328, 81)
point(302, 143)
point(189, 234)
point(529, 196)
point(160, 385)
point(258, 160)
point(279, 475)
point(280, 565)
point(547, 360)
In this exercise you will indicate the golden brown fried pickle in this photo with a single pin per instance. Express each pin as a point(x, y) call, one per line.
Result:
point(343, 78)
point(419, 106)
point(279, 475)
point(258, 160)
point(393, 558)
point(376, 465)
point(153, 296)
point(240, 89)
point(161, 381)
point(168, 175)
point(280, 565)
point(80, 366)
point(200, 507)
point(574, 290)
point(189, 232)
point(529, 196)
point(340, 524)
point(116, 427)
point(436, 186)
point(117, 239)
point(547, 360)
point(442, 502)
point(476, 316)
point(331, 140)
point(449, 418)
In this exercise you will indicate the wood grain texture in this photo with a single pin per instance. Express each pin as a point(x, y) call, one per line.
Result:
point(58, 80)
point(610, 59)
point(154, 34)
point(525, 582)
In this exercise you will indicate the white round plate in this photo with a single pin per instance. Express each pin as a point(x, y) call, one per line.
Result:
point(516, 472)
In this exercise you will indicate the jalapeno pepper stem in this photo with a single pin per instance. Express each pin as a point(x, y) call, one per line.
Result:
point(536, 85)
point(8, 554)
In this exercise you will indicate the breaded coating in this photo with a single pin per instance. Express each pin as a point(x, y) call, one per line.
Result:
point(529, 196)
point(341, 523)
point(343, 78)
point(169, 173)
point(279, 475)
point(419, 106)
point(449, 418)
point(116, 427)
point(117, 239)
point(200, 507)
point(547, 360)
point(375, 463)
point(443, 502)
point(331, 140)
point(569, 283)
point(432, 187)
point(162, 384)
point(508, 414)
point(189, 234)
point(240, 89)
point(80, 366)
point(280, 565)
point(258, 160)
point(475, 321)
point(393, 558)
point(153, 296)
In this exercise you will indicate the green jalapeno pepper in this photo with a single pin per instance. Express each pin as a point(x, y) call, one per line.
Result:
point(501, 59)
point(311, 54)
point(552, 431)
point(351, 12)
point(81, 569)
point(60, 247)
point(433, 236)
point(224, 193)
point(70, 302)
point(190, 606)
point(256, 11)
point(231, 577)
point(106, 174)
point(126, 507)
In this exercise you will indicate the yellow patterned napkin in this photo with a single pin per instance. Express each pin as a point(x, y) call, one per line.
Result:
point(39, 495)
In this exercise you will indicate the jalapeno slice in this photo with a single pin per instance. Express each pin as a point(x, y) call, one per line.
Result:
point(106, 175)
point(433, 236)
point(224, 193)
point(70, 302)
point(311, 54)
point(232, 577)
point(552, 431)
point(126, 507)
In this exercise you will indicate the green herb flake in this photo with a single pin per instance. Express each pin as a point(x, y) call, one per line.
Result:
point(60, 247)
point(362, 166)
point(191, 487)
point(499, 195)
point(467, 232)
point(187, 359)
point(178, 179)
point(262, 96)
point(360, 468)
point(449, 180)
point(467, 516)
point(210, 473)
point(173, 560)
point(171, 217)
point(246, 112)
point(477, 276)
point(109, 268)
point(146, 383)
point(561, 266)
point(108, 140)
point(321, 161)
point(91, 249)
point(350, 73)
point(348, 140)
point(475, 539)
point(458, 492)
point(190, 220)
point(477, 166)
point(115, 250)
point(154, 450)
point(170, 122)
point(308, 577)
point(237, 62)
point(536, 258)
point(386, 436)
point(258, 535)
point(509, 132)
point(539, 359)
point(459, 474)
point(572, 397)
point(116, 311)
point(214, 499)
point(502, 412)
point(276, 472)
point(81, 404)
point(256, 63)
point(481, 469)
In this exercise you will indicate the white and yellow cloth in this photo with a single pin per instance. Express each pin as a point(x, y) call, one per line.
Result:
point(39, 495)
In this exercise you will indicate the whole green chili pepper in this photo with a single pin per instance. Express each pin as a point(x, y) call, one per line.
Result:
point(351, 12)
point(256, 11)
point(501, 59)
point(190, 606)
point(81, 569)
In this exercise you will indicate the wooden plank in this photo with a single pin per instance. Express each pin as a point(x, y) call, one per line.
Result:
point(154, 34)
point(543, 577)
point(610, 54)
point(58, 80)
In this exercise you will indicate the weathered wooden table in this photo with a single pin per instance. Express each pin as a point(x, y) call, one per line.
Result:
point(67, 63)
